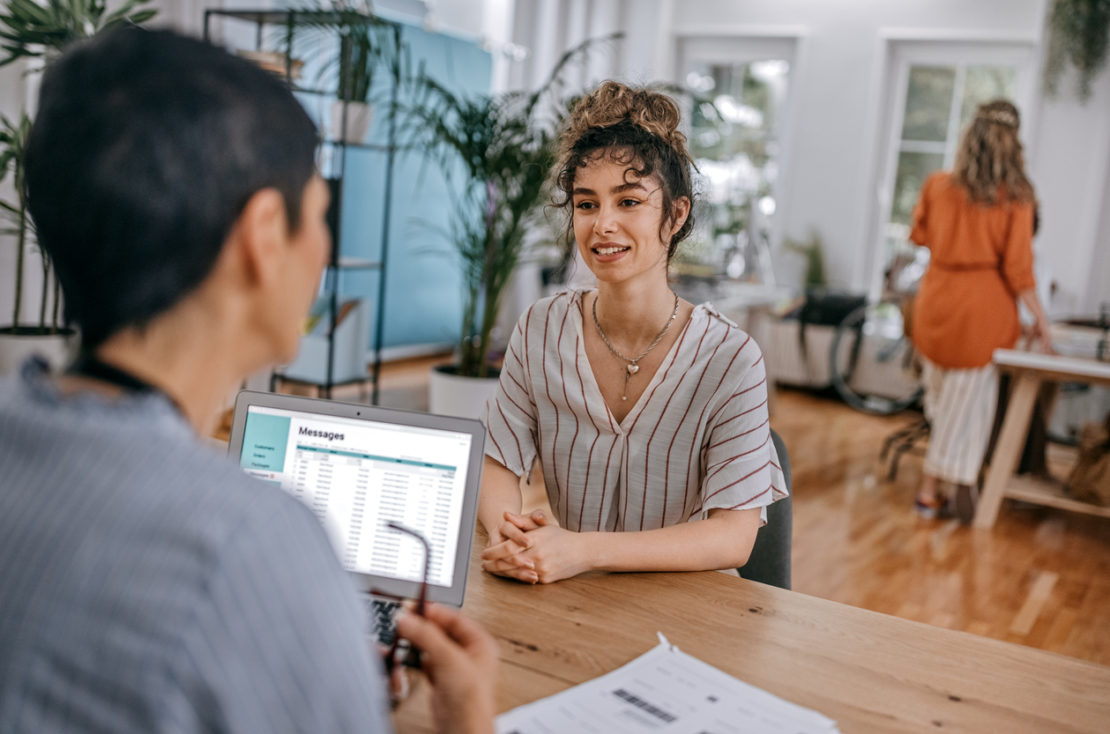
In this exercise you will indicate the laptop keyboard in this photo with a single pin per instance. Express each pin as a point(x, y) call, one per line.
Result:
point(380, 619)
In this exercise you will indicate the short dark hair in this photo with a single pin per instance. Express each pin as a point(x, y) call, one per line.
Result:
point(146, 147)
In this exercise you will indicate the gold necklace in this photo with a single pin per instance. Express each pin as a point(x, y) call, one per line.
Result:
point(633, 364)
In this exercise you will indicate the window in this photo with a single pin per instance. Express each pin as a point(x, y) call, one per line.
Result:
point(939, 103)
point(735, 142)
point(739, 90)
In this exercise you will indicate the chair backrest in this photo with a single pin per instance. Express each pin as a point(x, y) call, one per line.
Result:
point(769, 562)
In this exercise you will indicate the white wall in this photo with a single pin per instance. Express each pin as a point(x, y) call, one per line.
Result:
point(12, 94)
point(1070, 167)
point(1098, 291)
point(830, 182)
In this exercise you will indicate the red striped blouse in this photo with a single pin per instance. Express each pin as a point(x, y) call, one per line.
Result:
point(698, 438)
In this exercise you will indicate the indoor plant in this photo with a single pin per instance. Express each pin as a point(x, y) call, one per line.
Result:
point(500, 150)
point(1079, 34)
point(38, 31)
point(365, 42)
point(20, 339)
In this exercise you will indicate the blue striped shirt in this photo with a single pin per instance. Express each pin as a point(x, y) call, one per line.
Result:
point(147, 585)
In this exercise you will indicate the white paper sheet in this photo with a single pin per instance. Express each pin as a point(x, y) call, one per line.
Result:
point(664, 690)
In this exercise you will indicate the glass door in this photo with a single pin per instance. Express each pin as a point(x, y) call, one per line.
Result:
point(737, 113)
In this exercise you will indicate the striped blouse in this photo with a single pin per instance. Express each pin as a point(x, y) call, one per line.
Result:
point(697, 439)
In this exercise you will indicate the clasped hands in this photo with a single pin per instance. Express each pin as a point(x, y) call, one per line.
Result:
point(529, 548)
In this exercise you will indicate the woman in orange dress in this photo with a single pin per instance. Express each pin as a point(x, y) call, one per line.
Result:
point(977, 222)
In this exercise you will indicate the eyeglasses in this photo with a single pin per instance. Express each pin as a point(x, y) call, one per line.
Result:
point(402, 651)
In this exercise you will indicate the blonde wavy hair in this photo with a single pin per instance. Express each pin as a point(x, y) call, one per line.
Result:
point(989, 162)
point(636, 127)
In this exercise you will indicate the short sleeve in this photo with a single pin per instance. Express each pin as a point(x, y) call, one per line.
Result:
point(919, 232)
point(1017, 255)
point(742, 470)
point(510, 417)
point(279, 644)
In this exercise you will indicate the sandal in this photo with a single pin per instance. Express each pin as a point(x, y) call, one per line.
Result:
point(930, 510)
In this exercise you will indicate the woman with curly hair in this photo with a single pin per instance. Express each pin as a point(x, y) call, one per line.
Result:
point(978, 223)
point(648, 414)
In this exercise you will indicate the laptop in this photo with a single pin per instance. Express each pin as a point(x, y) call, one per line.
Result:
point(360, 468)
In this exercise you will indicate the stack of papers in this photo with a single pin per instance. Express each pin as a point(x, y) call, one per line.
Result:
point(664, 690)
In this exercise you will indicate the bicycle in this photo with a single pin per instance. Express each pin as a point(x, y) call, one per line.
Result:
point(872, 361)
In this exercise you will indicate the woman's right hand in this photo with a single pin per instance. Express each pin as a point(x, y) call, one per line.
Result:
point(1041, 336)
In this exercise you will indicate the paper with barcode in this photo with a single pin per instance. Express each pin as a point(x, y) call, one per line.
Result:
point(664, 690)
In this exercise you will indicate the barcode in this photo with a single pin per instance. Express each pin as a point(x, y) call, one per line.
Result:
point(644, 705)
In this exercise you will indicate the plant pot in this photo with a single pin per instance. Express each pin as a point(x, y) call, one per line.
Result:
point(465, 397)
point(358, 116)
point(57, 349)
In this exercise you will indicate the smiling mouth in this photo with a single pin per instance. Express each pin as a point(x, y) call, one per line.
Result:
point(611, 250)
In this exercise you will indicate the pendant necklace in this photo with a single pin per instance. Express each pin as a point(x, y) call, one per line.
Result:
point(633, 364)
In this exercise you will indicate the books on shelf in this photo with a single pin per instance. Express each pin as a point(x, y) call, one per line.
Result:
point(319, 316)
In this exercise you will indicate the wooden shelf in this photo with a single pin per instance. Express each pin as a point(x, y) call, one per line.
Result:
point(1049, 492)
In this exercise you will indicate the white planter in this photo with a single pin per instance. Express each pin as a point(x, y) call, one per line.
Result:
point(56, 349)
point(465, 397)
point(358, 114)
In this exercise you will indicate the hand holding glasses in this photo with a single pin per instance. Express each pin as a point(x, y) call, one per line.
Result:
point(401, 651)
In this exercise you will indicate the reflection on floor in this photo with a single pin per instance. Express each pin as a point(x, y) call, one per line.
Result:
point(1041, 577)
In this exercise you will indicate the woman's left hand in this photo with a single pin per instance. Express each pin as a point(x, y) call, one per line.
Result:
point(555, 553)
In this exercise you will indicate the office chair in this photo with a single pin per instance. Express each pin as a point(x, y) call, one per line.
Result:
point(769, 562)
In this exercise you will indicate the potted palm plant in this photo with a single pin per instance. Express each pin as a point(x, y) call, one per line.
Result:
point(39, 30)
point(21, 339)
point(506, 149)
point(365, 42)
point(42, 28)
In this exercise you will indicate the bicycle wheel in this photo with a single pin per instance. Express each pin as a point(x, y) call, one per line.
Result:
point(872, 361)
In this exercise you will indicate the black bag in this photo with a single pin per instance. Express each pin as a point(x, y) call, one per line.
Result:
point(825, 307)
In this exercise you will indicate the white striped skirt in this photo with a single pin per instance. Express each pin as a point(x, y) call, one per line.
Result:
point(960, 405)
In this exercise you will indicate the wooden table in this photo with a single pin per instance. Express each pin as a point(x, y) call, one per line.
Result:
point(870, 672)
point(1030, 369)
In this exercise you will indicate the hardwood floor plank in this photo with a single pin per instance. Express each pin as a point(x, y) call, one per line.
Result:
point(1039, 594)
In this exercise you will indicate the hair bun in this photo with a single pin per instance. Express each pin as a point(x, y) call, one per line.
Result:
point(613, 102)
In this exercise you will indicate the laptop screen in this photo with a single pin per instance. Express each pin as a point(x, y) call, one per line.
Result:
point(357, 474)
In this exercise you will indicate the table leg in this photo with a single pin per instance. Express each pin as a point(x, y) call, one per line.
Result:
point(1007, 451)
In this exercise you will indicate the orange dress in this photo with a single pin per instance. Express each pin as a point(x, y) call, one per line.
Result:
point(981, 257)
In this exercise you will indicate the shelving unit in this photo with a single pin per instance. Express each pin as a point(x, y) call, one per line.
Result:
point(336, 150)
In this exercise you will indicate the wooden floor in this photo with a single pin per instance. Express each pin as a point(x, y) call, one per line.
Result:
point(1041, 577)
